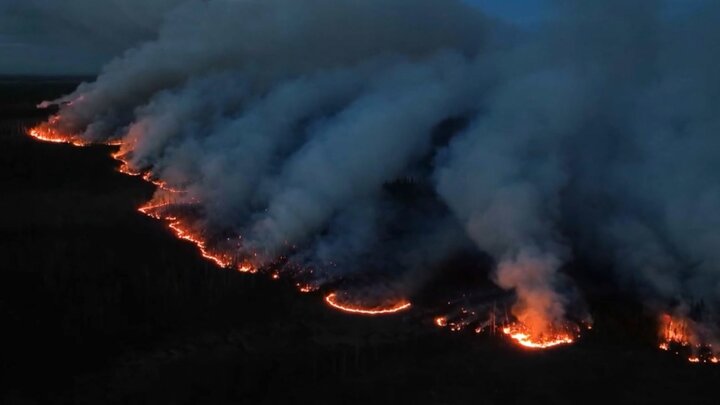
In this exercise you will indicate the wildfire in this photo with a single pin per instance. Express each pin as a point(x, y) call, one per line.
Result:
point(392, 308)
point(562, 333)
point(151, 209)
point(48, 133)
point(159, 183)
point(676, 333)
point(455, 325)
point(247, 268)
point(184, 232)
point(125, 168)
point(680, 335)
point(523, 336)
point(674, 330)
point(306, 288)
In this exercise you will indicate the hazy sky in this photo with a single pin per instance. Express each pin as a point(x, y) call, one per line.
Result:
point(79, 36)
point(520, 11)
point(72, 36)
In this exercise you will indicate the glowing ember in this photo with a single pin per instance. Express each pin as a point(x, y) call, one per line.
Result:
point(398, 306)
point(306, 288)
point(455, 325)
point(525, 338)
point(247, 268)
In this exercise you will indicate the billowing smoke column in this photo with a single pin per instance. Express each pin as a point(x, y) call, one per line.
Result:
point(278, 131)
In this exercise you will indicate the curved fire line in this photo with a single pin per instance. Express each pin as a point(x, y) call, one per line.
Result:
point(399, 306)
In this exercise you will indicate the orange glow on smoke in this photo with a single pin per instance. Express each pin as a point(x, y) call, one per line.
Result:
point(526, 338)
point(124, 168)
point(674, 330)
point(395, 307)
point(679, 334)
point(550, 336)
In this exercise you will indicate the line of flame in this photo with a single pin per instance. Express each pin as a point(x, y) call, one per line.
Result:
point(526, 340)
point(399, 306)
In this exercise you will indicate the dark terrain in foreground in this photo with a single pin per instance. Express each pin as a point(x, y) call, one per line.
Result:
point(100, 305)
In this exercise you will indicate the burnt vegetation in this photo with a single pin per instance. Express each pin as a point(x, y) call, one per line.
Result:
point(99, 304)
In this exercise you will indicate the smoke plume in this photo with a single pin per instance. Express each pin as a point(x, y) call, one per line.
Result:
point(357, 138)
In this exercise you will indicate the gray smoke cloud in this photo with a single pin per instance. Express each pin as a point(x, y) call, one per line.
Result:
point(293, 124)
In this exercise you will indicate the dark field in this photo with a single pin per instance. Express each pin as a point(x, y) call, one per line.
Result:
point(100, 305)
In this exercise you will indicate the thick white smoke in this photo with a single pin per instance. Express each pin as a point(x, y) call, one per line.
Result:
point(291, 123)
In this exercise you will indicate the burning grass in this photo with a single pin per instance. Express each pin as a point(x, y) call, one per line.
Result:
point(554, 335)
point(385, 308)
point(684, 337)
point(677, 334)
point(47, 132)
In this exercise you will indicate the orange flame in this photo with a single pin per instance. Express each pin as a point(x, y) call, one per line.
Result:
point(246, 267)
point(396, 307)
point(47, 132)
point(526, 338)
point(554, 335)
point(182, 231)
point(680, 334)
